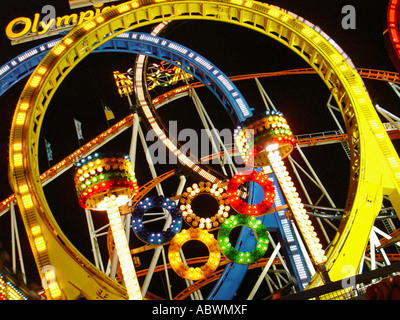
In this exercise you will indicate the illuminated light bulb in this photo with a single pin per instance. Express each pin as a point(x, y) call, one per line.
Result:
point(40, 243)
point(92, 198)
point(298, 210)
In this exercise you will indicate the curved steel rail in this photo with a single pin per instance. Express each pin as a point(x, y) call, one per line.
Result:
point(24, 64)
point(375, 165)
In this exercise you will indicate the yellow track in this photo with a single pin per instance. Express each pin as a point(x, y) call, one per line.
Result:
point(375, 166)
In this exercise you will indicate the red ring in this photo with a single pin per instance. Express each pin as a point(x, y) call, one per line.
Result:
point(251, 209)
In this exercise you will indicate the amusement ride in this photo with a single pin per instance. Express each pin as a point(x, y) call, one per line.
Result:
point(243, 217)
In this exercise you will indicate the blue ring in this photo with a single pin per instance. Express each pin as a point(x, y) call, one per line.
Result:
point(156, 237)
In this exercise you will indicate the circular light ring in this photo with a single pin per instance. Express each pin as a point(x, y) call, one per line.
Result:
point(256, 136)
point(99, 174)
point(251, 209)
point(212, 190)
point(156, 237)
point(237, 256)
point(185, 271)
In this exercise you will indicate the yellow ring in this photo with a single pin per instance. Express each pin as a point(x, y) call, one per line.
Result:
point(185, 271)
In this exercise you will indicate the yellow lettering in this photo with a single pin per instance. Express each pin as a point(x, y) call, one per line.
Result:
point(67, 20)
point(106, 9)
point(35, 23)
point(85, 16)
point(18, 27)
point(46, 26)
point(100, 9)
point(97, 10)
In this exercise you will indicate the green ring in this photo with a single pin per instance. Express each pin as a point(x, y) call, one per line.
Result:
point(237, 256)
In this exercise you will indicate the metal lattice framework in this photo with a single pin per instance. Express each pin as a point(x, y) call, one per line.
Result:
point(374, 162)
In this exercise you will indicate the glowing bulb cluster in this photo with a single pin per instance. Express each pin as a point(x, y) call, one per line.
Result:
point(243, 257)
point(251, 209)
point(38, 239)
point(256, 136)
point(96, 175)
point(53, 287)
point(299, 213)
point(185, 271)
point(8, 291)
point(156, 237)
point(212, 190)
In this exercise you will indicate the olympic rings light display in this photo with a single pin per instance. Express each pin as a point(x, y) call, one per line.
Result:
point(185, 271)
point(98, 174)
point(208, 189)
point(258, 135)
point(251, 209)
point(243, 257)
point(156, 237)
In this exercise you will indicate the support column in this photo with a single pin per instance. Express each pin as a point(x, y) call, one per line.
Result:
point(122, 249)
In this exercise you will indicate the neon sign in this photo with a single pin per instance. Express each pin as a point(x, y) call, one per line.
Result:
point(23, 26)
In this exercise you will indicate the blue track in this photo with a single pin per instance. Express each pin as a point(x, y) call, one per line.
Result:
point(142, 43)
